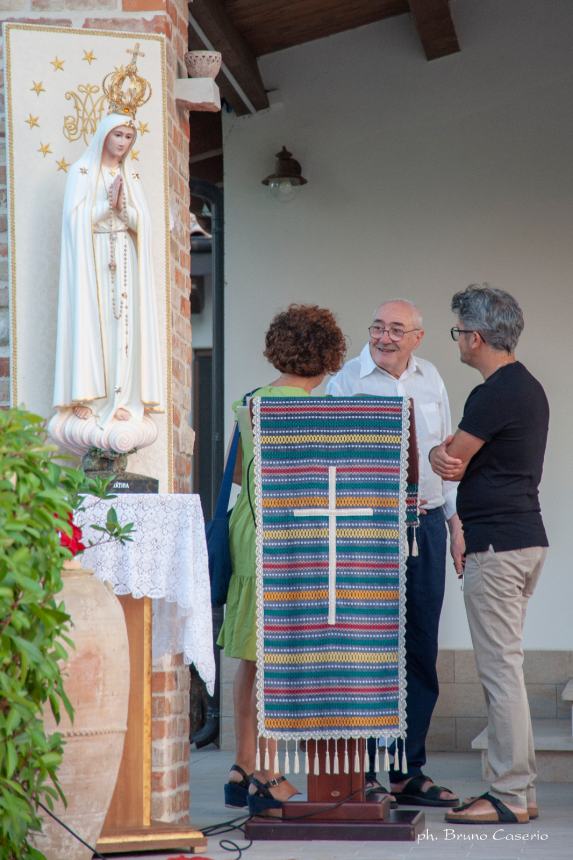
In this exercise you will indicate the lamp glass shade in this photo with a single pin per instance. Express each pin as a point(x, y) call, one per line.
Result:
point(282, 188)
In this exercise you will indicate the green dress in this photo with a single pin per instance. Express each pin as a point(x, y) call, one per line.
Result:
point(238, 634)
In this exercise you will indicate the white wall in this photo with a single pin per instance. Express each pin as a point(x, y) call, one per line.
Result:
point(423, 177)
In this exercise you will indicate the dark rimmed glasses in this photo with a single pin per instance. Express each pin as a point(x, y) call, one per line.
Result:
point(456, 332)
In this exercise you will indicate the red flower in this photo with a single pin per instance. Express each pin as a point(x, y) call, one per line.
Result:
point(72, 542)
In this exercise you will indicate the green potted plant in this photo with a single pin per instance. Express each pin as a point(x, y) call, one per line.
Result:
point(45, 641)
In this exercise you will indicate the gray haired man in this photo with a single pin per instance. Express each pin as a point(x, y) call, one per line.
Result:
point(497, 455)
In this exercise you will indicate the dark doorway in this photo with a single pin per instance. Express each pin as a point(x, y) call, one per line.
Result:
point(203, 425)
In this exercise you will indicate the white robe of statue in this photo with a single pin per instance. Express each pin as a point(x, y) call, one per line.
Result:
point(107, 353)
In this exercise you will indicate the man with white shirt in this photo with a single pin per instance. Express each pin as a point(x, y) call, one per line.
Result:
point(387, 367)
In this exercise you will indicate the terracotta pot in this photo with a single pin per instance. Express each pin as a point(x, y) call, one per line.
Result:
point(203, 64)
point(96, 680)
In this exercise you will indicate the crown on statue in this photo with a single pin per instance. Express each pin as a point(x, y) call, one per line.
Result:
point(125, 90)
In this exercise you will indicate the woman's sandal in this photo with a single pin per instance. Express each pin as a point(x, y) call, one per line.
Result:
point(499, 814)
point(260, 800)
point(236, 793)
point(414, 794)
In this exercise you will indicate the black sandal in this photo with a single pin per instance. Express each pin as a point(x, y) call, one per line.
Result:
point(236, 793)
point(413, 795)
point(261, 800)
point(500, 813)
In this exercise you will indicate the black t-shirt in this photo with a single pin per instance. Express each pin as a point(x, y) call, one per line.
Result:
point(498, 501)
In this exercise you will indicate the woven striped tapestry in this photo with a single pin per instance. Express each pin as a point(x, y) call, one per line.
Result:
point(332, 505)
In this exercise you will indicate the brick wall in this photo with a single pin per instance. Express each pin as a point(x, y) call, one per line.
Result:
point(170, 754)
point(170, 745)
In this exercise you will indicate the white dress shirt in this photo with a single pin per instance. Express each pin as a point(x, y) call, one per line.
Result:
point(422, 382)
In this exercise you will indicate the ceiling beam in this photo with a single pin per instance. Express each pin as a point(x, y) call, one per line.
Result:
point(435, 27)
point(243, 86)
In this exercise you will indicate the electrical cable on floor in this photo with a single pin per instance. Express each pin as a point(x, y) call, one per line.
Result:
point(230, 825)
point(69, 829)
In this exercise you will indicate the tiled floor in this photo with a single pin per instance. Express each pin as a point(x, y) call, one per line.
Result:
point(548, 838)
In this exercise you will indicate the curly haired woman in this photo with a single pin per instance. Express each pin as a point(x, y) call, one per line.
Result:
point(303, 344)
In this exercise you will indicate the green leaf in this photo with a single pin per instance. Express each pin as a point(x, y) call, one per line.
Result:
point(28, 648)
point(112, 520)
point(11, 758)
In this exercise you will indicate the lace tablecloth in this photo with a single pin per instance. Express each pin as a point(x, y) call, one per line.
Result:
point(167, 561)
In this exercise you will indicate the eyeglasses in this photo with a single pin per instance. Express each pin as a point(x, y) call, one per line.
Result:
point(393, 332)
point(456, 332)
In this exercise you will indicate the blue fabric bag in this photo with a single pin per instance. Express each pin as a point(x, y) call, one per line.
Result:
point(217, 532)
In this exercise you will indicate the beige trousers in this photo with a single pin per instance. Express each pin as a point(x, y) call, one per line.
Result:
point(497, 587)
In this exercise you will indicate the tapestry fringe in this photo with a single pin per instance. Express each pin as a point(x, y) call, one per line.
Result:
point(356, 761)
point(332, 757)
point(414, 552)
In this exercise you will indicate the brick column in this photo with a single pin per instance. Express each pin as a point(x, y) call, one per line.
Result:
point(170, 798)
point(170, 746)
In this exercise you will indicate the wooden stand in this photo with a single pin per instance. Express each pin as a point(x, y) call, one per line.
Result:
point(128, 826)
point(326, 815)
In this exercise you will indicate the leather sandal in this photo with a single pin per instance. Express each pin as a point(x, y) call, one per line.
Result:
point(499, 814)
point(414, 795)
point(532, 808)
point(236, 793)
point(260, 800)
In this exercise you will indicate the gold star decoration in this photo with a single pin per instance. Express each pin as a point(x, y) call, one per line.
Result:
point(143, 128)
point(83, 170)
point(45, 149)
point(63, 164)
point(89, 57)
point(57, 64)
point(134, 154)
point(37, 87)
point(33, 121)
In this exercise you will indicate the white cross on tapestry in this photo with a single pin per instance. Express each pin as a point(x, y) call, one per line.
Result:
point(332, 512)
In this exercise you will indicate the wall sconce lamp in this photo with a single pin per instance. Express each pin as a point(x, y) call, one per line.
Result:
point(287, 177)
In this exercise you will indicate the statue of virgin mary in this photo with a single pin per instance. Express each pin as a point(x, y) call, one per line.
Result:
point(108, 369)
